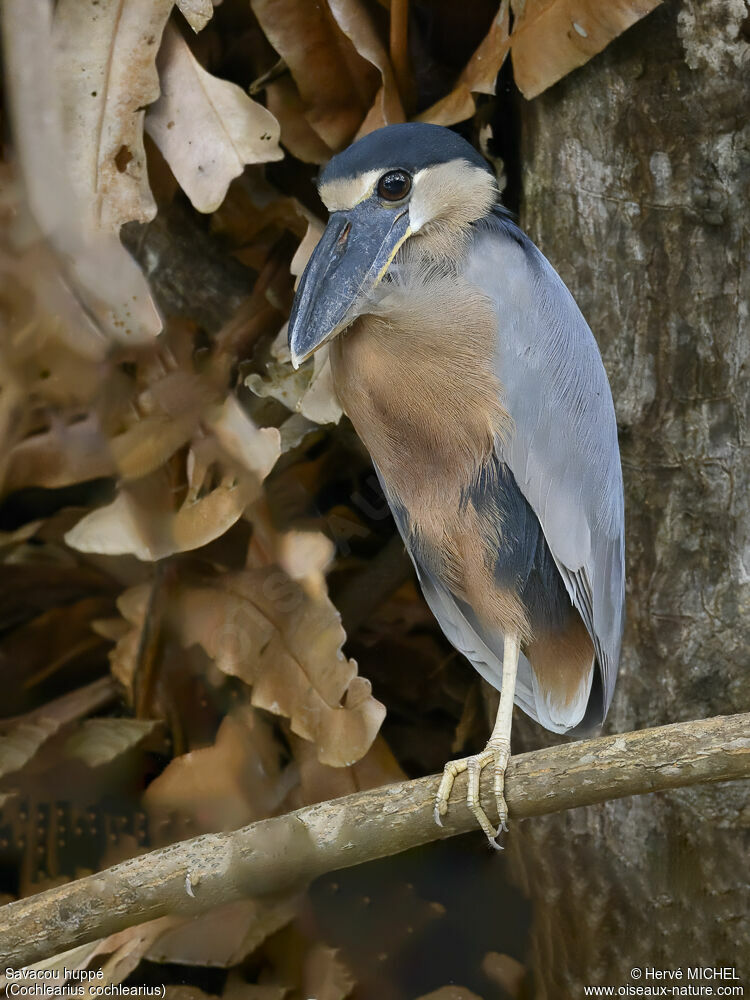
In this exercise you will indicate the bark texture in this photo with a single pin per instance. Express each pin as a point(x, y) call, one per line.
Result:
point(636, 185)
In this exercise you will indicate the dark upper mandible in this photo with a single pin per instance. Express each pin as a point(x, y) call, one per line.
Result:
point(411, 146)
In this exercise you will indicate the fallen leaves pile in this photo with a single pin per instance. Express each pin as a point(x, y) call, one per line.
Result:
point(184, 519)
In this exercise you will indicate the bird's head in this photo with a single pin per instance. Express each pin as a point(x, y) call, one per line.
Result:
point(400, 183)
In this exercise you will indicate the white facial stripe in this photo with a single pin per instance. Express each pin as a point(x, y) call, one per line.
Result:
point(345, 192)
point(456, 193)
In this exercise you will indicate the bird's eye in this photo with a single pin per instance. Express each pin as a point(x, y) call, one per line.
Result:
point(394, 185)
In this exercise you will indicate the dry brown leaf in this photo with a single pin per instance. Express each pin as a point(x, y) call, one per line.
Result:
point(304, 251)
point(456, 106)
point(336, 84)
point(143, 521)
point(506, 971)
point(66, 962)
point(254, 448)
point(308, 390)
point(52, 367)
point(150, 442)
point(46, 386)
point(51, 641)
point(110, 628)
point(294, 430)
point(480, 73)
point(325, 976)
point(207, 129)
point(479, 76)
point(225, 786)
point(319, 401)
point(60, 456)
point(106, 68)
point(65, 311)
point(355, 22)
point(552, 37)
point(264, 628)
point(161, 419)
point(133, 606)
point(150, 531)
point(23, 741)
point(197, 13)
point(226, 935)
point(305, 556)
point(100, 741)
point(297, 134)
point(9, 539)
point(319, 783)
point(125, 950)
point(94, 286)
point(33, 581)
point(255, 208)
point(23, 737)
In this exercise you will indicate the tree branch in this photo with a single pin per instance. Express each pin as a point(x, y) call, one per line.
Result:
point(290, 850)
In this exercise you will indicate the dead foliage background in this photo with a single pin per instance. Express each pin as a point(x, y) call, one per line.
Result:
point(184, 519)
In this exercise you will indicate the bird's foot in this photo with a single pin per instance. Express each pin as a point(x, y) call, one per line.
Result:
point(498, 753)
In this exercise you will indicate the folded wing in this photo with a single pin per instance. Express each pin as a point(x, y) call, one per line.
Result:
point(563, 451)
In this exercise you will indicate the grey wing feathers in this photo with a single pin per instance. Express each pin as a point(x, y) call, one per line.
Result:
point(563, 451)
point(460, 625)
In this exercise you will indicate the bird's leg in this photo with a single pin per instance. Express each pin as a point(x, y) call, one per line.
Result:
point(497, 751)
point(500, 736)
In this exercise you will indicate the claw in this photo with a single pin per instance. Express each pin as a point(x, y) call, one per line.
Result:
point(497, 752)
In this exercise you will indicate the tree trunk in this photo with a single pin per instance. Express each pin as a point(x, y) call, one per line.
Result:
point(636, 185)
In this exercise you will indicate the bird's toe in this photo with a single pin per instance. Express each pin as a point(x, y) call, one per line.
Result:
point(451, 769)
point(501, 756)
point(498, 755)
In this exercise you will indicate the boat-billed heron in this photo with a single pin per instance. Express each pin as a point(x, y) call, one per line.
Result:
point(471, 376)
